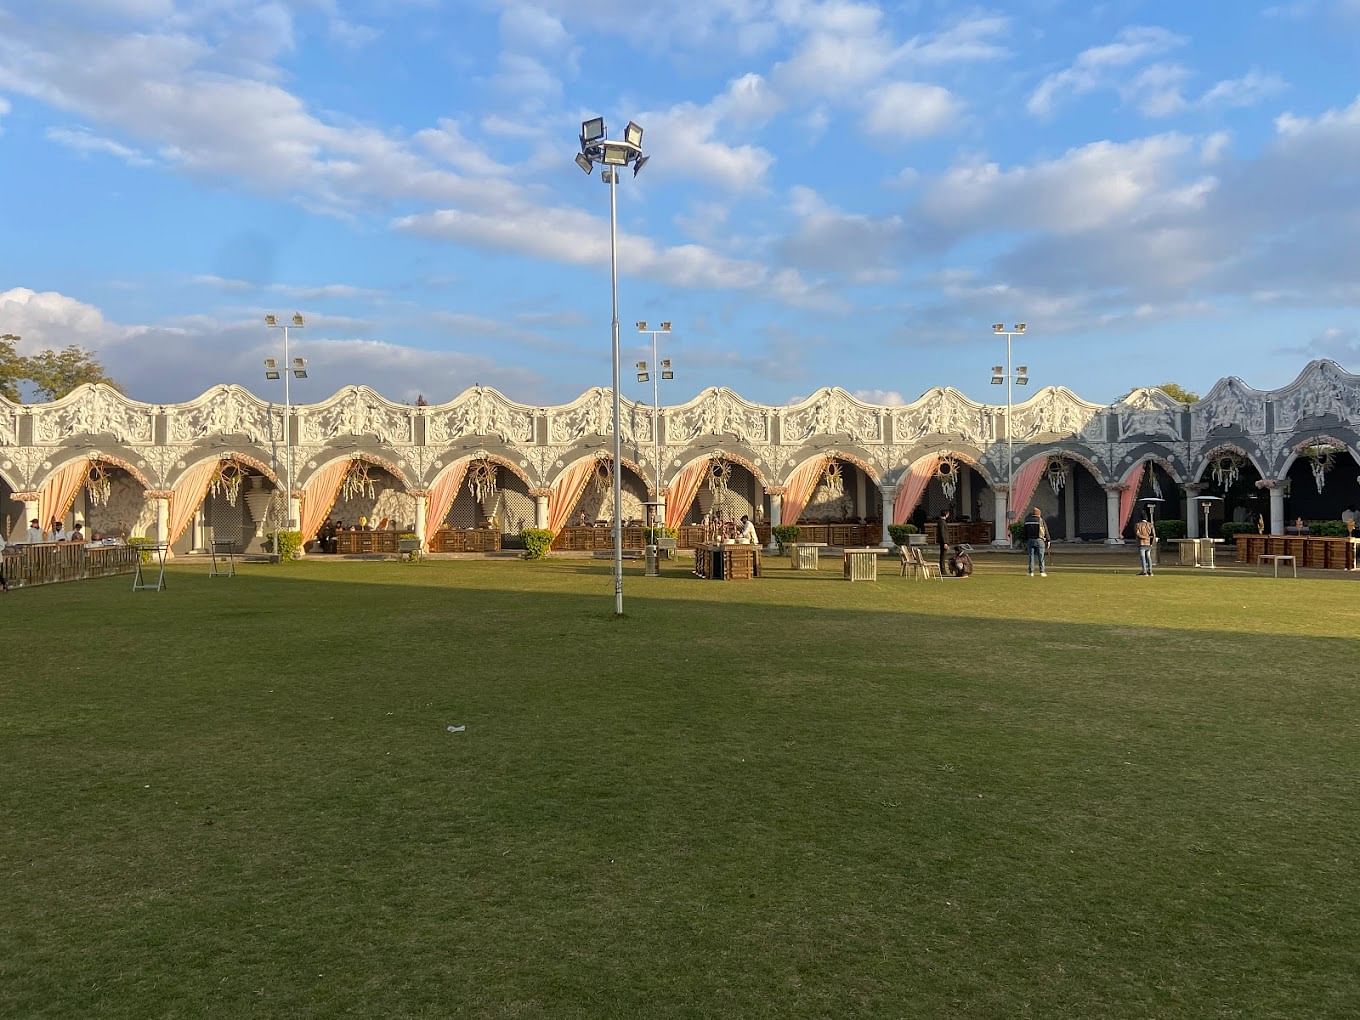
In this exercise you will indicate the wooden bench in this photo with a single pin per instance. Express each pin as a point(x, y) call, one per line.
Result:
point(1275, 559)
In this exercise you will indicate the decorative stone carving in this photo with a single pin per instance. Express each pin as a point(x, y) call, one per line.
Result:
point(1149, 412)
point(591, 414)
point(93, 410)
point(357, 412)
point(1229, 404)
point(27, 462)
point(480, 411)
point(1053, 412)
point(225, 411)
point(944, 412)
point(830, 413)
point(1322, 391)
point(718, 412)
point(9, 430)
point(163, 461)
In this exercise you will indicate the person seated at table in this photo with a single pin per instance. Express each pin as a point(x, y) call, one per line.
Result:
point(77, 533)
point(1299, 526)
point(58, 532)
point(581, 521)
point(746, 532)
point(35, 532)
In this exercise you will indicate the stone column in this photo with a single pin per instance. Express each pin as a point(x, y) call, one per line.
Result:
point(1192, 510)
point(196, 531)
point(861, 494)
point(776, 494)
point(889, 494)
point(1276, 489)
point(540, 507)
point(965, 491)
point(421, 496)
point(30, 502)
point(1070, 504)
point(295, 510)
point(161, 497)
point(1001, 534)
point(1112, 493)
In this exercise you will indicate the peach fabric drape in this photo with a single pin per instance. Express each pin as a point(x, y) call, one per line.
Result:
point(59, 492)
point(1023, 485)
point(440, 500)
point(800, 487)
point(913, 487)
point(566, 493)
point(187, 495)
point(1129, 497)
point(318, 496)
point(680, 495)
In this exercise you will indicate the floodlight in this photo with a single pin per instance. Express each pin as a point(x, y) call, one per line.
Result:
point(1019, 327)
point(642, 325)
point(300, 368)
point(584, 162)
point(1021, 377)
point(642, 366)
point(667, 374)
point(997, 380)
point(665, 362)
point(592, 131)
point(297, 320)
point(637, 167)
point(643, 377)
point(271, 367)
point(665, 327)
point(998, 327)
point(616, 154)
point(271, 320)
point(632, 134)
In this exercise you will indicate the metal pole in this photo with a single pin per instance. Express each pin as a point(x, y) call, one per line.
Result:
point(618, 446)
point(287, 434)
point(1010, 443)
point(656, 425)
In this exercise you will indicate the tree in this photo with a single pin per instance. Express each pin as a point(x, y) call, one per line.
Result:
point(48, 375)
point(1177, 392)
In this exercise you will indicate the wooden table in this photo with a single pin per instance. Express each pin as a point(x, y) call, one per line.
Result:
point(862, 564)
point(727, 562)
point(805, 555)
point(1324, 552)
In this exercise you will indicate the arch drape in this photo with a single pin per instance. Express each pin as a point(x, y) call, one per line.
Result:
point(800, 487)
point(566, 493)
point(187, 495)
point(318, 496)
point(1023, 485)
point(59, 491)
point(913, 487)
point(441, 497)
point(680, 495)
point(1128, 498)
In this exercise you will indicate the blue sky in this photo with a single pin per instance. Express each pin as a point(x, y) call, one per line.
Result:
point(840, 193)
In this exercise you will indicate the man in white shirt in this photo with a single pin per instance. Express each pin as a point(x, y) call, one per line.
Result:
point(35, 532)
point(59, 533)
point(746, 532)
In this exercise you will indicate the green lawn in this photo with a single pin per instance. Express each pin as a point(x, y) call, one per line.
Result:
point(1087, 795)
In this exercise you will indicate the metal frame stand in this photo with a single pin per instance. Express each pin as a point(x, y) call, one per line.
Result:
point(227, 551)
point(139, 581)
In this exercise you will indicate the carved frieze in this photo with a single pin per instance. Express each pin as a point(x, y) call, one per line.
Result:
point(358, 412)
point(1053, 413)
point(479, 412)
point(9, 427)
point(1323, 392)
point(225, 411)
point(1230, 404)
point(91, 411)
point(1149, 412)
point(719, 412)
point(944, 412)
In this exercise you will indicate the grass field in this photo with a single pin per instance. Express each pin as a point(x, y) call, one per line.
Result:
point(1090, 795)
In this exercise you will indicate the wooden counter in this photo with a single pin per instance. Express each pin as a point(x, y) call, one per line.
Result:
point(972, 532)
point(1319, 551)
point(727, 562)
point(53, 562)
point(457, 540)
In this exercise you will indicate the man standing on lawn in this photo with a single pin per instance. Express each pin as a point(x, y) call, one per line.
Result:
point(1036, 541)
point(941, 535)
point(1146, 535)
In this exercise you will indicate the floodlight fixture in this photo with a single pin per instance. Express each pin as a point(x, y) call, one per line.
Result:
point(271, 368)
point(1022, 375)
point(583, 161)
point(643, 377)
point(1019, 327)
point(642, 325)
point(642, 366)
point(639, 164)
point(592, 131)
point(666, 328)
point(298, 322)
point(299, 368)
point(615, 154)
point(998, 327)
point(632, 134)
point(271, 320)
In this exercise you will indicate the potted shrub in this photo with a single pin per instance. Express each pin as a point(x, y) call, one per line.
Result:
point(902, 534)
point(785, 535)
point(537, 541)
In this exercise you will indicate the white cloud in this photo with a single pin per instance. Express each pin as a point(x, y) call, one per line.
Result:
point(351, 35)
point(48, 319)
point(527, 26)
point(906, 110)
point(885, 398)
point(1095, 68)
point(4, 110)
point(85, 142)
point(1248, 90)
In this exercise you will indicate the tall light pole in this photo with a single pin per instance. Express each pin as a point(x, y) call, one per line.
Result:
point(596, 147)
point(295, 367)
point(658, 370)
point(1020, 376)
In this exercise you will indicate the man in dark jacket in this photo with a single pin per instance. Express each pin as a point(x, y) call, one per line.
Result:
point(1036, 541)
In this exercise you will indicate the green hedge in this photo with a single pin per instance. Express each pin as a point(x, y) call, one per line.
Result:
point(1170, 528)
point(899, 532)
point(1332, 529)
point(1231, 529)
point(290, 544)
point(537, 541)
point(661, 531)
point(785, 534)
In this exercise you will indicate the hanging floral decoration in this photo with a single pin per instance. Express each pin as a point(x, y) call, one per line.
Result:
point(719, 475)
point(227, 481)
point(1156, 482)
point(358, 483)
point(1321, 459)
point(1227, 469)
point(948, 474)
point(99, 485)
point(1056, 473)
point(481, 480)
point(603, 482)
point(834, 479)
